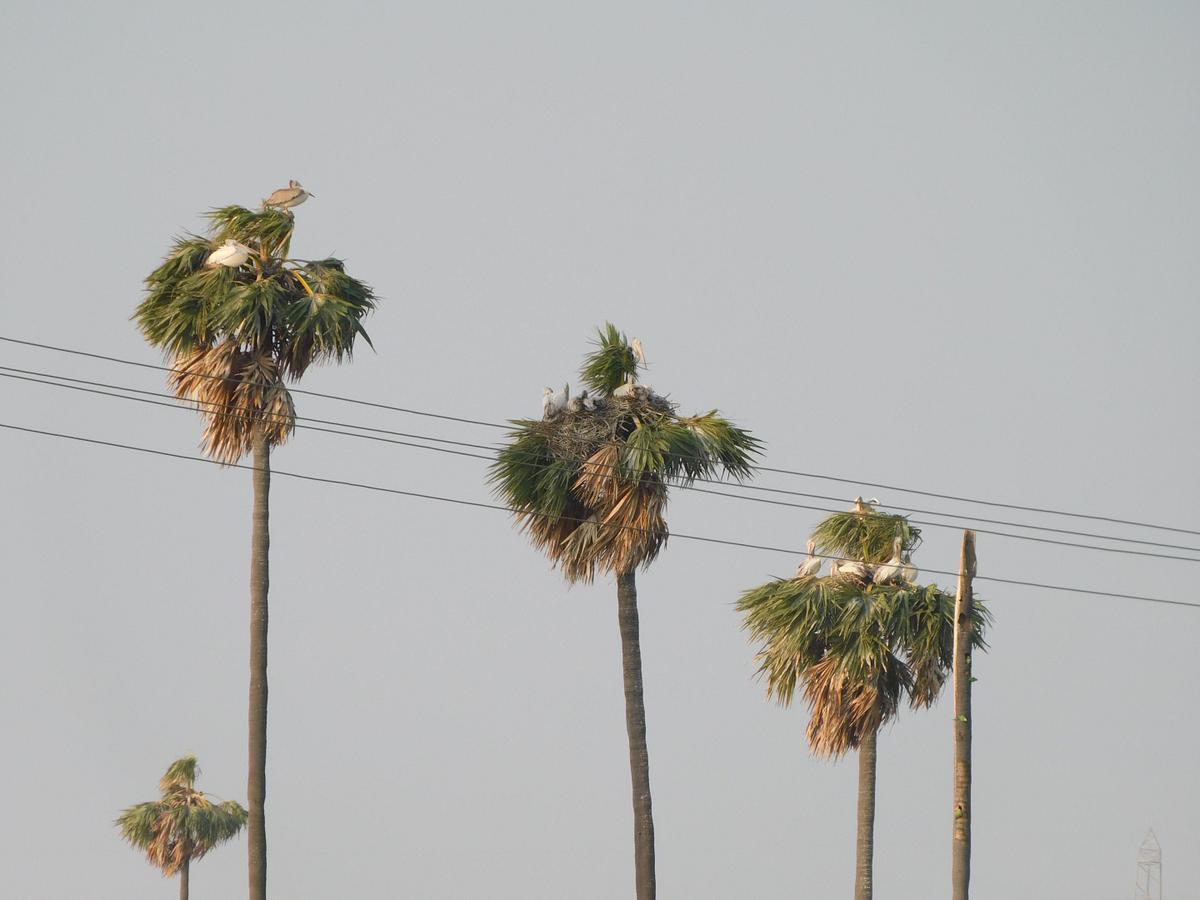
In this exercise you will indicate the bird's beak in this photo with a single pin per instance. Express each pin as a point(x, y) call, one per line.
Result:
point(311, 194)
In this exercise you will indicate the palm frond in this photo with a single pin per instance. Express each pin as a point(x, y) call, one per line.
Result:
point(611, 364)
point(865, 536)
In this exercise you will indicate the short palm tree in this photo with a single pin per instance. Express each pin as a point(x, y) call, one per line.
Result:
point(234, 336)
point(857, 650)
point(590, 487)
point(181, 826)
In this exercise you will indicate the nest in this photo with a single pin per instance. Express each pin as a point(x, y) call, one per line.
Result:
point(577, 432)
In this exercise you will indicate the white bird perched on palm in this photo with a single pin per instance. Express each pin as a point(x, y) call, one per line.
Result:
point(864, 506)
point(555, 402)
point(849, 568)
point(890, 569)
point(286, 198)
point(812, 563)
point(638, 352)
point(230, 254)
point(908, 571)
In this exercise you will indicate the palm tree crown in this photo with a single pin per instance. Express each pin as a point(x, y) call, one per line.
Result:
point(234, 334)
point(589, 485)
point(184, 824)
point(857, 649)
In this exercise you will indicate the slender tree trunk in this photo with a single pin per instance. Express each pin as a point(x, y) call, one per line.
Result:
point(635, 725)
point(256, 787)
point(183, 880)
point(961, 841)
point(864, 872)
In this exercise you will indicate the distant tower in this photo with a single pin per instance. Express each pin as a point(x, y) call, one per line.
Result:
point(1149, 874)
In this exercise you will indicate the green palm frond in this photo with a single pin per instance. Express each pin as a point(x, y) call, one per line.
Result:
point(611, 364)
point(865, 536)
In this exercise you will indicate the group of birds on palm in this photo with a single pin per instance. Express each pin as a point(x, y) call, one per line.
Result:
point(555, 402)
point(898, 568)
point(232, 253)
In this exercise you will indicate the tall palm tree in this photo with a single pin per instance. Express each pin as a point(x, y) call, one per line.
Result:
point(589, 485)
point(181, 826)
point(234, 336)
point(856, 649)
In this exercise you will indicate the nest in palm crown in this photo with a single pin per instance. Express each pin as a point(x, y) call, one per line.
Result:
point(588, 482)
point(603, 502)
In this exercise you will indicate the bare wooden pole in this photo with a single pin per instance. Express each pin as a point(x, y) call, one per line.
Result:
point(961, 843)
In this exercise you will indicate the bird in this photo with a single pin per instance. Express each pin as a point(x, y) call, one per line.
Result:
point(847, 568)
point(812, 564)
point(286, 198)
point(625, 390)
point(864, 506)
point(230, 254)
point(638, 353)
point(891, 568)
point(908, 571)
point(588, 403)
point(575, 404)
point(555, 402)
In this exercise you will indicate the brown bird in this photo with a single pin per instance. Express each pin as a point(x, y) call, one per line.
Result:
point(286, 198)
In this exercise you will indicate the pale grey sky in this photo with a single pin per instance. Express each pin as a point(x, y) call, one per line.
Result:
point(945, 246)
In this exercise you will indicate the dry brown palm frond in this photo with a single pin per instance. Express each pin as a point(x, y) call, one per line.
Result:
point(843, 709)
point(630, 530)
point(234, 391)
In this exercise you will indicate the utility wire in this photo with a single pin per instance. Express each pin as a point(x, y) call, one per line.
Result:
point(491, 458)
point(493, 448)
point(495, 506)
point(774, 470)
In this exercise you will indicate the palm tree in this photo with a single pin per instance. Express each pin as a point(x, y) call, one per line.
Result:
point(589, 485)
point(234, 335)
point(183, 825)
point(856, 649)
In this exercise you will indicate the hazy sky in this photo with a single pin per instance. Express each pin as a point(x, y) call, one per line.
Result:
point(941, 246)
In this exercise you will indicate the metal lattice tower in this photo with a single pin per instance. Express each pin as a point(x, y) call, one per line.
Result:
point(1149, 874)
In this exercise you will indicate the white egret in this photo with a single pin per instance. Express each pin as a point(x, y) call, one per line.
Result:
point(286, 198)
point(812, 563)
point(908, 571)
point(891, 568)
point(230, 254)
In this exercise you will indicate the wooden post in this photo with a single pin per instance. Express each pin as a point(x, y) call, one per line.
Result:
point(961, 844)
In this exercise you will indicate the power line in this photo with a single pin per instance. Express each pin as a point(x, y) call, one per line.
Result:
point(498, 507)
point(492, 448)
point(771, 469)
point(689, 487)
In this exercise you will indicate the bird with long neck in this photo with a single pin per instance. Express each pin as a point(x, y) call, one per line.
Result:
point(812, 563)
point(890, 569)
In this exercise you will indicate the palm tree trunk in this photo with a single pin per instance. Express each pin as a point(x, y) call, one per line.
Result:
point(864, 885)
point(635, 725)
point(256, 788)
point(960, 872)
point(183, 880)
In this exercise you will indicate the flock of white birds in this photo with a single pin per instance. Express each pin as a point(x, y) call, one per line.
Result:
point(898, 568)
point(232, 254)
